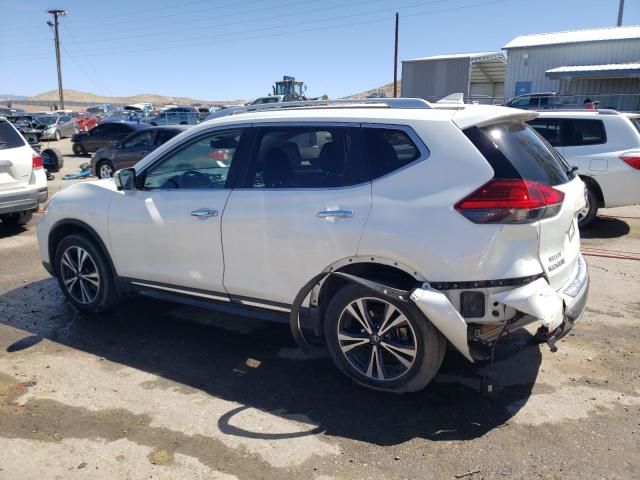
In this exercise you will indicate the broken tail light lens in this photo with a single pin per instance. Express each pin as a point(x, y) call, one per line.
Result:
point(511, 201)
point(632, 159)
point(36, 162)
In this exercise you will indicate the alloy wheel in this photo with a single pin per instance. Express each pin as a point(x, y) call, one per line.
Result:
point(80, 275)
point(105, 170)
point(377, 339)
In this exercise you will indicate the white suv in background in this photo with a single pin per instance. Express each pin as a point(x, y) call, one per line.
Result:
point(387, 227)
point(604, 145)
point(23, 181)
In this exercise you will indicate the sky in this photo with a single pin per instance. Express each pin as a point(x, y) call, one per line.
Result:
point(223, 50)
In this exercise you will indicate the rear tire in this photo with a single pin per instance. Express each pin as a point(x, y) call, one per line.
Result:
point(588, 214)
point(84, 275)
point(368, 358)
point(17, 219)
point(78, 149)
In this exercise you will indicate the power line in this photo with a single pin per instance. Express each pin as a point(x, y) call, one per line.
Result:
point(164, 47)
point(104, 88)
point(287, 25)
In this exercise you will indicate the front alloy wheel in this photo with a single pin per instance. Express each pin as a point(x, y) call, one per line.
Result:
point(84, 274)
point(105, 170)
point(80, 275)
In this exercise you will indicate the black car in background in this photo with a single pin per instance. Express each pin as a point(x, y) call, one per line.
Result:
point(131, 149)
point(102, 136)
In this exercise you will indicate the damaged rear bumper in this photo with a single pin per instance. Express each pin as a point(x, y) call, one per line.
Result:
point(556, 310)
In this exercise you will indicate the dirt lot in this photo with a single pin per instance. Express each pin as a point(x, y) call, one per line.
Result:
point(157, 390)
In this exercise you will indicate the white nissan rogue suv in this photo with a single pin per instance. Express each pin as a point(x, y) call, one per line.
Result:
point(389, 227)
point(23, 181)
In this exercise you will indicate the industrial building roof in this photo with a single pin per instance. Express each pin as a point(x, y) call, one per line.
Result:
point(612, 69)
point(474, 56)
point(575, 36)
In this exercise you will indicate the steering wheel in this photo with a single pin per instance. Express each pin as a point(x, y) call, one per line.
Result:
point(194, 179)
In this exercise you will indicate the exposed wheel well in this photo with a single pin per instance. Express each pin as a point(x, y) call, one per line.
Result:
point(595, 188)
point(386, 274)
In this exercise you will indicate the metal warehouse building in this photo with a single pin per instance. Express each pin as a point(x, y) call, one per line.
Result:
point(478, 75)
point(600, 64)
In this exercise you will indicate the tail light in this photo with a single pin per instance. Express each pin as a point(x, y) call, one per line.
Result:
point(511, 201)
point(36, 162)
point(632, 159)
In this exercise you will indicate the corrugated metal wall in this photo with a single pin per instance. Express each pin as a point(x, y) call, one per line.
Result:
point(544, 58)
point(435, 78)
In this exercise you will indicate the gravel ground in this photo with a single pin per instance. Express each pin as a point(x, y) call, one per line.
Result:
point(158, 390)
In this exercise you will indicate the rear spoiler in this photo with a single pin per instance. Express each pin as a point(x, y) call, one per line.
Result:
point(483, 115)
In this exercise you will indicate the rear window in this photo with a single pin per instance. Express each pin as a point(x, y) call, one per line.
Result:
point(9, 137)
point(516, 151)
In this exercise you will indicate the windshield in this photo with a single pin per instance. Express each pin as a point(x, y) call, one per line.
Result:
point(47, 120)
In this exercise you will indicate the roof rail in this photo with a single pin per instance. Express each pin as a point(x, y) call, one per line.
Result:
point(411, 103)
point(603, 111)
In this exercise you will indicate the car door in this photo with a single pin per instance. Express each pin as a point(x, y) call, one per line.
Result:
point(115, 132)
point(134, 148)
point(294, 215)
point(166, 233)
point(67, 126)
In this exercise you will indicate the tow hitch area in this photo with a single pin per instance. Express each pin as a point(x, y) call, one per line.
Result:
point(539, 300)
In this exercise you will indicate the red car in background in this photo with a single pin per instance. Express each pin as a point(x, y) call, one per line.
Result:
point(85, 121)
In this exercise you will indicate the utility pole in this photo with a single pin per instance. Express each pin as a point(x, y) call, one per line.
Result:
point(620, 12)
point(395, 60)
point(56, 15)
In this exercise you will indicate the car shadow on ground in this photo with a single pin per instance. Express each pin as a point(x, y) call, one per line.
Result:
point(257, 365)
point(606, 227)
point(7, 231)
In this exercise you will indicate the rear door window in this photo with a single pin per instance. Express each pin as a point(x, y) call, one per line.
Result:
point(164, 136)
point(579, 132)
point(307, 157)
point(9, 137)
point(388, 149)
point(516, 151)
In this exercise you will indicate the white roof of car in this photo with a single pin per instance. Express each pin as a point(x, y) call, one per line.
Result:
point(576, 113)
point(575, 36)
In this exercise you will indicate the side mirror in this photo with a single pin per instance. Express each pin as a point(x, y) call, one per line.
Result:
point(125, 179)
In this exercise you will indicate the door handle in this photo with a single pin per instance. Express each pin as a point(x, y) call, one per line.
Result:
point(335, 214)
point(204, 212)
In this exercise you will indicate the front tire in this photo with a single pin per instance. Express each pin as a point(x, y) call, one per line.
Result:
point(588, 214)
point(105, 169)
point(84, 275)
point(380, 343)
